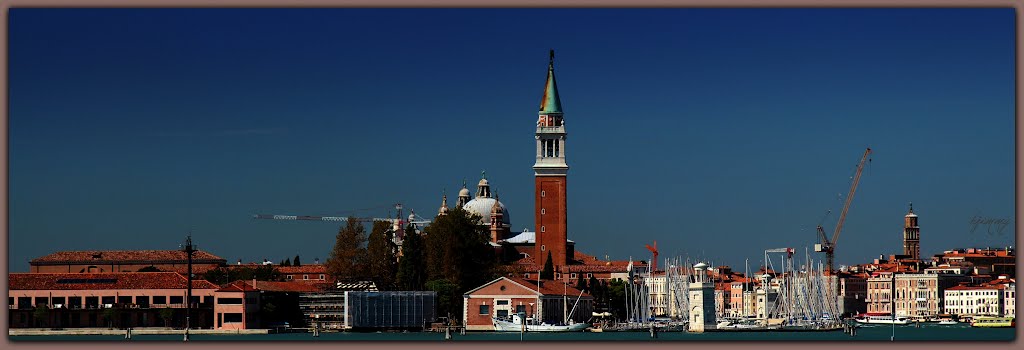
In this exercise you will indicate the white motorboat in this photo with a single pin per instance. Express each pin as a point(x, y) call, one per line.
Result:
point(948, 322)
point(882, 320)
point(518, 324)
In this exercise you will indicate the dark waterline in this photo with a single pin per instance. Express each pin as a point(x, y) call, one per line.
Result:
point(866, 333)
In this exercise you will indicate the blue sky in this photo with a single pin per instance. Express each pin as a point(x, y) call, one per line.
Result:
point(717, 132)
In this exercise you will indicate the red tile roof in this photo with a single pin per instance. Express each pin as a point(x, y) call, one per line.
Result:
point(100, 281)
point(548, 287)
point(310, 269)
point(289, 286)
point(238, 286)
point(125, 256)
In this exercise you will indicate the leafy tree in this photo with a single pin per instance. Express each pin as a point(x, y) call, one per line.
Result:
point(581, 284)
point(264, 273)
point(149, 268)
point(108, 315)
point(448, 299)
point(167, 314)
point(380, 255)
point(548, 272)
point(345, 261)
point(616, 297)
point(412, 268)
point(458, 252)
point(296, 261)
point(41, 314)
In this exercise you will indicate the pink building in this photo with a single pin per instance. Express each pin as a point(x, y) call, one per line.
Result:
point(548, 300)
point(149, 299)
point(237, 307)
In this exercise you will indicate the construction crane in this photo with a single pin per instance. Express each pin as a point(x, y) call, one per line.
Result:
point(654, 250)
point(828, 246)
point(397, 222)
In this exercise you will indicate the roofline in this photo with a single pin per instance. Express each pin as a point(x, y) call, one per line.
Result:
point(498, 279)
point(126, 262)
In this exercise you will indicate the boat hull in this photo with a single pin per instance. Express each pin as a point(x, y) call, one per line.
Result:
point(506, 326)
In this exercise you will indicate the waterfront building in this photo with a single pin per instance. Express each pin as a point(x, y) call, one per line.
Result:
point(996, 261)
point(972, 301)
point(546, 300)
point(313, 274)
point(920, 294)
point(1009, 299)
point(106, 261)
point(658, 294)
point(132, 299)
point(238, 306)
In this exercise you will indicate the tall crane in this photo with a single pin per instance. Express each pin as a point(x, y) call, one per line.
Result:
point(654, 250)
point(398, 222)
point(829, 246)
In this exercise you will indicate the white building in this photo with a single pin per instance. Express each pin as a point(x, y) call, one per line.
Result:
point(1009, 300)
point(702, 301)
point(974, 301)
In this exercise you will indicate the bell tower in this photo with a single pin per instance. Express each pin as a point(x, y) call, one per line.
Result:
point(911, 235)
point(549, 176)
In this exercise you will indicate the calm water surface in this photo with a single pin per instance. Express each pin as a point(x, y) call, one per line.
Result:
point(866, 333)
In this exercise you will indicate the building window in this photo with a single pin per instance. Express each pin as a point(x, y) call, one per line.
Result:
point(177, 300)
point(520, 309)
point(229, 301)
point(305, 277)
point(542, 193)
point(542, 246)
point(159, 300)
point(233, 318)
point(502, 302)
point(107, 300)
point(321, 277)
point(590, 275)
point(542, 211)
point(288, 277)
point(485, 309)
point(542, 230)
point(572, 275)
point(526, 275)
point(558, 275)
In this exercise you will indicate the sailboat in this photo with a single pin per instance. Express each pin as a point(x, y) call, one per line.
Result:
point(520, 323)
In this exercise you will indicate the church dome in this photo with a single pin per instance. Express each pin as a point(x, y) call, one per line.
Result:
point(482, 206)
point(464, 192)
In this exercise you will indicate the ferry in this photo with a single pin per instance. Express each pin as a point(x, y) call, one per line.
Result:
point(994, 322)
point(881, 319)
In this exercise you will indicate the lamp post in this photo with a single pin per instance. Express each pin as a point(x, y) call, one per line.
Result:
point(189, 249)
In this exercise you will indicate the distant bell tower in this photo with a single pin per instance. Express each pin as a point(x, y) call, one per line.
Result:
point(549, 176)
point(911, 235)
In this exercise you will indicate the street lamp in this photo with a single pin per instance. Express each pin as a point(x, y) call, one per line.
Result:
point(189, 249)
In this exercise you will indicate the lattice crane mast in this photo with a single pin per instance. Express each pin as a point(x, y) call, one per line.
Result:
point(828, 246)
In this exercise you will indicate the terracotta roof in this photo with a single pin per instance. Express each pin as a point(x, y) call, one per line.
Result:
point(100, 281)
point(287, 286)
point(314, 269)
point(123, 256)
point(547, 287)
point(998, 286)
point(237, 286)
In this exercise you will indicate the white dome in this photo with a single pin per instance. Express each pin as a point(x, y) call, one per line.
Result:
point(482, 206)
point(464, 192)
point(700, 266)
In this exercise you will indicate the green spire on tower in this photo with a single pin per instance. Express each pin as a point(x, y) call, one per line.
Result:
point(550, 102)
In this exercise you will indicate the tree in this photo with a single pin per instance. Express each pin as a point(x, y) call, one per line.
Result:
point(616, 296)
point(296, 261)
point(167, 314)
point(548, 273)
point(458, 253)
point(581, 284)
point(448, 300)
point(412, 269)
point(41, 314)
point(149, 268)
point(380, 255)
point(287, 262)
point(345, 259)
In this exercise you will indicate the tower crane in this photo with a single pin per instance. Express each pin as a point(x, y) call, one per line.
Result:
point(828, 246)
point(398, 222)
point(654, 250)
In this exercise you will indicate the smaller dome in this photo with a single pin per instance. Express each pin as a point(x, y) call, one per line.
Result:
point(464, 192)
point(483, 182)
point(700, 266)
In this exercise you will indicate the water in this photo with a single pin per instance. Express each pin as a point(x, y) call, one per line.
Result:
point(866, 333)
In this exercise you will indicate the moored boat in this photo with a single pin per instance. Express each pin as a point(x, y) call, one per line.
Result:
point(994, 322)
point(887, 319)
point(517, 324)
